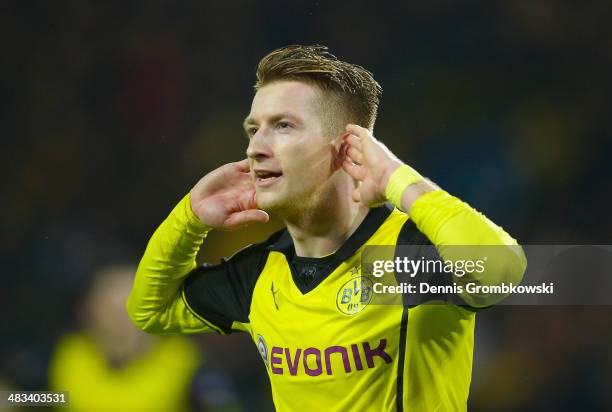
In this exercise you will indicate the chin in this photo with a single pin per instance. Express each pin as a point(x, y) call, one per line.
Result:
point(269, 201)
point(279, 203)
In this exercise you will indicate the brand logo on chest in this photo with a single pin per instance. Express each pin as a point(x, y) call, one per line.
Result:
point(314, 361)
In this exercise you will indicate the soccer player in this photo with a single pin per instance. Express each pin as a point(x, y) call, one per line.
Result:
point(313, 161)
point(109, 365)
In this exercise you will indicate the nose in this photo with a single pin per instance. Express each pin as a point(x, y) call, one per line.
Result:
point(258, 148)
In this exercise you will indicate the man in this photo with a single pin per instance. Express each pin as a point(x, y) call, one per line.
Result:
point(108, 365)
point(301, 294)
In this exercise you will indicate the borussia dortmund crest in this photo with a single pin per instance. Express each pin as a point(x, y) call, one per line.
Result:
point(354, 295)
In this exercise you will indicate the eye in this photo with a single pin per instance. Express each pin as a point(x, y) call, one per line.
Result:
point(283, 125)
point(251, 131)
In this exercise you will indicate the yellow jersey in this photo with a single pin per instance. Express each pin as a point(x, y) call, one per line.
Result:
point(323, 339)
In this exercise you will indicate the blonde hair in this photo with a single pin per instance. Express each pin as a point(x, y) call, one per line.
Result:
point(350, 85)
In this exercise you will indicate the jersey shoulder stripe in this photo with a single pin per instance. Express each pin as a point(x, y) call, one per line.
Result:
point(221, 294)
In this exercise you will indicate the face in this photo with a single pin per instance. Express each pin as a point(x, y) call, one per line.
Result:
point(290, 150)
point(106, 303)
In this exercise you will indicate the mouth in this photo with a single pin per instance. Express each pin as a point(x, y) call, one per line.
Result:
point(264, 178)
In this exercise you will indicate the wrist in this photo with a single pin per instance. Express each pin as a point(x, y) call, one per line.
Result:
point(399, 179)
point(393, 166)
point(192, 219)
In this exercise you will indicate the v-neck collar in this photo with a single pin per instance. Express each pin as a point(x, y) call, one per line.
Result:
point(326, 265)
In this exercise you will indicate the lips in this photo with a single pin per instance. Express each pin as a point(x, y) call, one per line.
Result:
point(265, 178)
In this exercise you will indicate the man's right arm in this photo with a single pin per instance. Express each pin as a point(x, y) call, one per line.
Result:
point(159, 302)
point(155, 304)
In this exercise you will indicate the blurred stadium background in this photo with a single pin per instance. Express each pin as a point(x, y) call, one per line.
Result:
point(111, 111)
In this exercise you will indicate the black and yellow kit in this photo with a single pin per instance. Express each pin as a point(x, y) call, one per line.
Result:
point(323, 345)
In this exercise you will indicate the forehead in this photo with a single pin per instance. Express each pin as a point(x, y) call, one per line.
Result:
point(285, 96)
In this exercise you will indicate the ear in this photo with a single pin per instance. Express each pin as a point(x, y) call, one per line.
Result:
point(339, 153)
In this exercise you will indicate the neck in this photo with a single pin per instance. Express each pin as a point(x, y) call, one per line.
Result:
point(323, 228)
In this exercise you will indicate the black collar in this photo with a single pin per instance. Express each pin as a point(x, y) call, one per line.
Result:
point(371, 223)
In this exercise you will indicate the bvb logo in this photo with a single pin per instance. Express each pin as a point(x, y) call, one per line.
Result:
point(354, 295)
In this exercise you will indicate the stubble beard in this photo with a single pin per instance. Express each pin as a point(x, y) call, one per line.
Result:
point(290, 205)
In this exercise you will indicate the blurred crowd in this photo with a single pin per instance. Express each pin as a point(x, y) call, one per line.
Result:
point(111, 111)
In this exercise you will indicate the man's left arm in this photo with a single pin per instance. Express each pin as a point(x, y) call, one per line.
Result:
point(458, 231)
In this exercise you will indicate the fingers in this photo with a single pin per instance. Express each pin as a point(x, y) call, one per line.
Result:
point(353, 141)
point(355, 155)
point(243, 165)
point(352, 164)
point(239, 173)
point(354, 148)
point(354, 170)
point(362, 139)
point(246, 183)
point(246, 217)
point(360, 132)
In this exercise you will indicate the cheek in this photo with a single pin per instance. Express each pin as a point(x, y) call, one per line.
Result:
point(307, 159)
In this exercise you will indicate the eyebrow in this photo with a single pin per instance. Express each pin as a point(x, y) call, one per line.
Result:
point(274, 118)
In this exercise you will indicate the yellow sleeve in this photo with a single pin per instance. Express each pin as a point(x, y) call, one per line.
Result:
point(454, 227)
point(155, 303)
